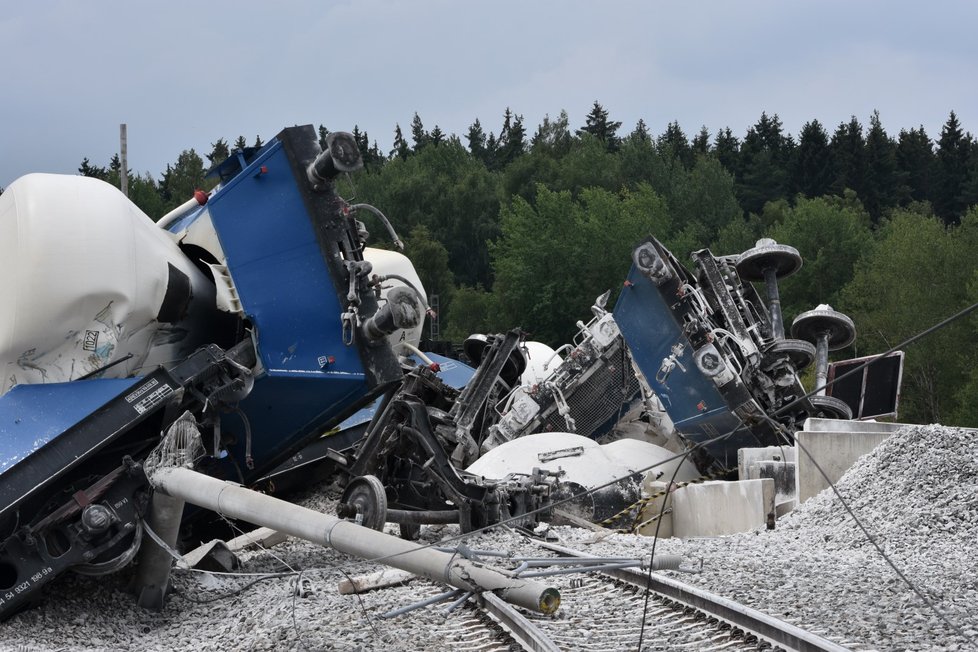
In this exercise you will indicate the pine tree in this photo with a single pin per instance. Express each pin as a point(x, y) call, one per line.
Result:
point(180, 181)
point(726, 147)
point(492, 150)
point(598, 125)
point(881, 183)
point(86, 169)
point(969, 191)
point(360, 138)
point(418, 134)
point(401, 148)
point(219, 152)
point(258, 142)
point(437, 136)
point(952, 171)
point(812, 171)
point(477, 141)
point(765, 158)
point(512, 139)
point(641, 131)
point(701, 142)
point(371, 156)
point(240, 144)
point(849, 157)
point(553, 136)
point(323, 132)
point(674, 144)
point(916, 162)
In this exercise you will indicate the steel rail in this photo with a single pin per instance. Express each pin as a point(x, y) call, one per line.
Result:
point(524, 632)
point(765, 627)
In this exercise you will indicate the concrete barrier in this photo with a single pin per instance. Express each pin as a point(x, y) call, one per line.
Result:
point(841, 425)
point(718, 508)
point(775, 462)
point(834, 452)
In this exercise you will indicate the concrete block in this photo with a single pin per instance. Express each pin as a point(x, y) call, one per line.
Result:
point(720, 508)
point(652, 509)
point(775, 462)
point(782, 473)
point(842, 425)
point(748, 456)
point(835, 453)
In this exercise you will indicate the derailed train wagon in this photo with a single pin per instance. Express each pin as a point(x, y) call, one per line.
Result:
point(254, 309)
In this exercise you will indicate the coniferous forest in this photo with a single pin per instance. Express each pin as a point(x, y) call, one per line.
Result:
point(512, 228)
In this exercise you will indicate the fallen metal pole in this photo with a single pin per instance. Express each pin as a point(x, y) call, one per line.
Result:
point(237, 502)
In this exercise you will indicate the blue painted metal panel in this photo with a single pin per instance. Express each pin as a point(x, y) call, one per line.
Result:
point(271, 229)
point(649, 317)
point(279, 272)
point(452, 372)
point(33, 415)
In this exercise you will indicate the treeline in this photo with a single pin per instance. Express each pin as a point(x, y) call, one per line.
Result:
point(510, 228)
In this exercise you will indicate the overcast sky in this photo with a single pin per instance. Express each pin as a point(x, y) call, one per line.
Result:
point(183, 74)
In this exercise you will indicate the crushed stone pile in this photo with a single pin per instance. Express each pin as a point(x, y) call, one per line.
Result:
point(917, 495)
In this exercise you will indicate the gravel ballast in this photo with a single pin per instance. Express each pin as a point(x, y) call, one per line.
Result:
point(917, 493)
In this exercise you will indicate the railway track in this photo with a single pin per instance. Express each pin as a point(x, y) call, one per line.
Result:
point(603, 611)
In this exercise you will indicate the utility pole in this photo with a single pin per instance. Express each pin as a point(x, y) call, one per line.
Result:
point(124, 171)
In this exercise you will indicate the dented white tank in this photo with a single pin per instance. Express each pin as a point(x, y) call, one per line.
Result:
point(87, 280)
point(607, 477)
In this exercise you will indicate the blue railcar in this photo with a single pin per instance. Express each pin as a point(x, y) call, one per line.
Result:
point(268, 275)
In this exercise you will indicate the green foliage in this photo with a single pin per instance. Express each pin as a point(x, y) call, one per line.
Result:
point(553, 137)
point(674, 144)
point(953, 149)
point(86, 169)
point(476, 138)
point(737, 236)
point(556, 255)
point(705, 194)
point(882, 178)
point(965, 412)
point(181, 180)
point(401, 148)
point(916, 276)
point(849, 157)
point(219, 152)
point(598, 125)
point(418, 134)
point(915, 162)
point(762, 170)
point(512, 141)
point(588, 164)
point(831, 238)
point(446, 190)
point(811, 173)
point(430, 260)
point(473, 310)
point(145, 194)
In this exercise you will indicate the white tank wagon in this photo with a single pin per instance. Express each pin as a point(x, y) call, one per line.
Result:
point(94, 283)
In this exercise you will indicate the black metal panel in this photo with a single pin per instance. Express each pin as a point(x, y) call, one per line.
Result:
point(873, 391)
